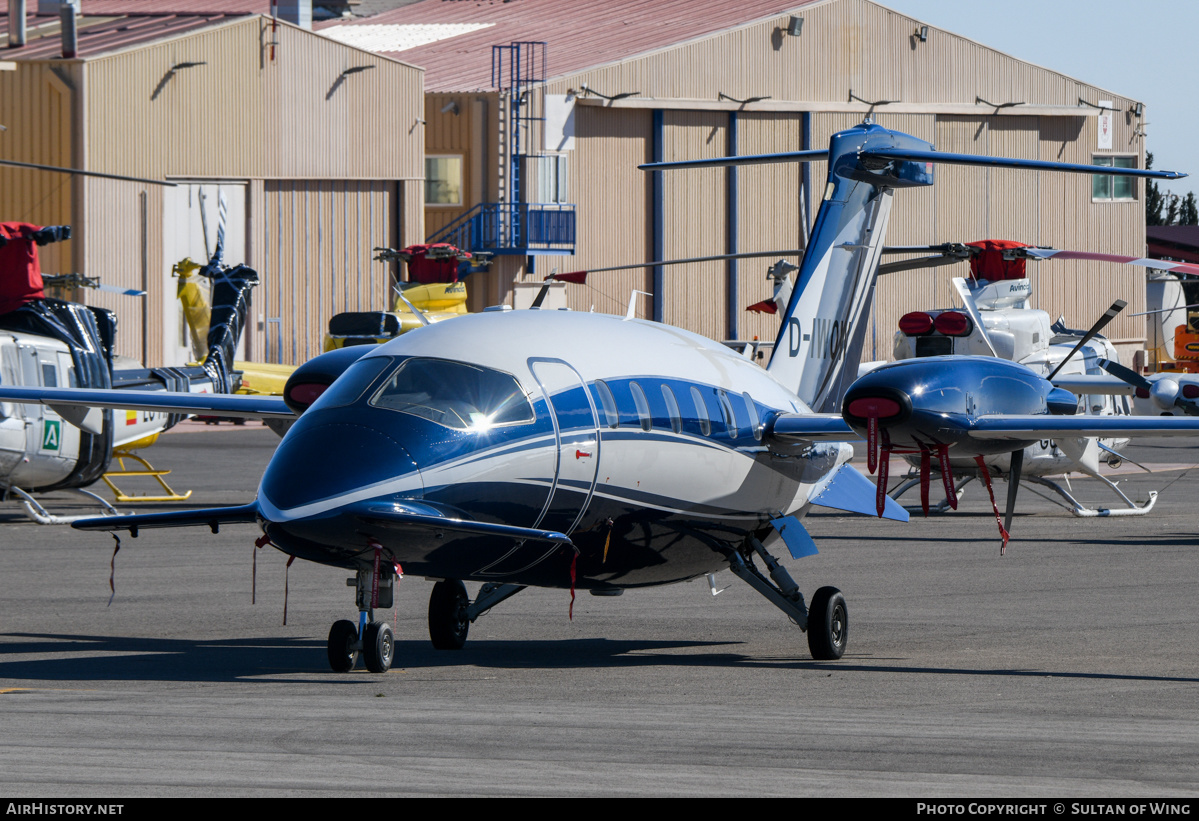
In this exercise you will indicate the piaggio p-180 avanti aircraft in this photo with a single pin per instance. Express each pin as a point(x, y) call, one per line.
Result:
point(564, 450)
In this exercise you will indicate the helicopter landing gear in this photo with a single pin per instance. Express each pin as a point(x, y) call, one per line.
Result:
point(375, 640)
point(826, 623)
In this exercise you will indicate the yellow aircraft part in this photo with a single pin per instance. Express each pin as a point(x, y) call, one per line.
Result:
point(263, 377)
point(446, 297)
point(408, 322)
point(196, 311)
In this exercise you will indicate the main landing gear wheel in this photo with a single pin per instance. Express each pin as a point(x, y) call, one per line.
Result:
point(828, 624)
point(378, 647)
point(343, 646)
point(448, 622)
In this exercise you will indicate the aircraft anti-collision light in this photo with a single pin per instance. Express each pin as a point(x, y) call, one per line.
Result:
point(875, 406)
point(916, 323)
point(953, 323)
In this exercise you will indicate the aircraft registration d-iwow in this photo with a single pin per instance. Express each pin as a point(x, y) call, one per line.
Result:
point(574, 450)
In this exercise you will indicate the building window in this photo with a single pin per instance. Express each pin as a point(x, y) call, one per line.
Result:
point(1113, 188)
point(545, 179)
point(443, 180)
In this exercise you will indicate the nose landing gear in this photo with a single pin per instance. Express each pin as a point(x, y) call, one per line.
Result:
point(373, 639)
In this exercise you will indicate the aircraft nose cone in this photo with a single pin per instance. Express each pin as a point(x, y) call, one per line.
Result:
point(331, 460)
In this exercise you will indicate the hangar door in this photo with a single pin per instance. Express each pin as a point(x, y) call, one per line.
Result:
point(317, 260)
point(192, 214)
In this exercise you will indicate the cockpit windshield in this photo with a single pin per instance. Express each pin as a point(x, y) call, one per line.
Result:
point(455, 394)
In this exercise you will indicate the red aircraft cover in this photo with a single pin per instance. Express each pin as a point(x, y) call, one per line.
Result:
point(20, 271)
point(990, 264)
point(423, 269)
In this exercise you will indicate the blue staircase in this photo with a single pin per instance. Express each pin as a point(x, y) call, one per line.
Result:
point(526, 229)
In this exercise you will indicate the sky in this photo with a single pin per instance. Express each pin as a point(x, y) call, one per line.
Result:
point(1144, 50)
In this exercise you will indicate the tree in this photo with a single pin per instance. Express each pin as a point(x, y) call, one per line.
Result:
point(1155, 201)
point(1189, 215)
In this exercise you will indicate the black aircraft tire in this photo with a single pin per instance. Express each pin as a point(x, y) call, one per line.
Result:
point(828, 625)
point(343, 638)
point(448, 624)
point(378, 647)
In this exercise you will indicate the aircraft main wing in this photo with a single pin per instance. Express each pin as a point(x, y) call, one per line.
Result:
point(790, 428)
point(215, 404)
point(1024, 428)
point(212, 517)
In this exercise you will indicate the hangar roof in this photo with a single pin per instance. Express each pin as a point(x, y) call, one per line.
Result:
point(453, 40)
point(99, 34)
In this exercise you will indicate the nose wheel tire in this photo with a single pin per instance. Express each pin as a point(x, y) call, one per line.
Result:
point(343, 646)
point(378, 647)
point(448, 622)
point(828, 625)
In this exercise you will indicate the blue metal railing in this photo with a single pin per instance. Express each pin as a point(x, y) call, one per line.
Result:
point(505, 228)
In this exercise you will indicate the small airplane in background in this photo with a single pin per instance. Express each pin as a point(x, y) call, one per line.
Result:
point(590, 451)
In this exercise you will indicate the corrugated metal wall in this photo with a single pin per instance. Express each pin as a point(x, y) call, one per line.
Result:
point(326, 154)
point(35, 109)
point(850, 45)
point(310, 228)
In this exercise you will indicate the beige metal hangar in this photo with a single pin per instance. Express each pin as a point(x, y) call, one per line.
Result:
point(601, 88)
point(313, 150)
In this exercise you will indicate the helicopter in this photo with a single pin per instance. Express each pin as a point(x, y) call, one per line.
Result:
point(53, 343)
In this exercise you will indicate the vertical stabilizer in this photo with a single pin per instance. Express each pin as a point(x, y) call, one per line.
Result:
point(820, 341)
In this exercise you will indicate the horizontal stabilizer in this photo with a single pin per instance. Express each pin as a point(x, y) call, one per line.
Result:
point(946, 158)
point(212, 517)
point(848, 490)
point(258, 407)
point(749, 159)
point(401, 517)
point(789, 428)
point(1026, 428)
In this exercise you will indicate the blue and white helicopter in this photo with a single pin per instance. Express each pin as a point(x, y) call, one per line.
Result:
point(572, 450)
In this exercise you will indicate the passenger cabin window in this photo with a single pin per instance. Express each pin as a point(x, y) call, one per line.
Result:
point(608, 403)
point(642, 405)
point(730, 418)
point(755, 421)
point(701, 412)
point(454, 394)
point(672, 409)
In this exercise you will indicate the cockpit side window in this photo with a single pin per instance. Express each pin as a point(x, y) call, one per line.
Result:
point(455, 394)
point(350, 386)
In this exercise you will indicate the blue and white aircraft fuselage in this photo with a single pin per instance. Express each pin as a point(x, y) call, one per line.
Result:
point(653, 467)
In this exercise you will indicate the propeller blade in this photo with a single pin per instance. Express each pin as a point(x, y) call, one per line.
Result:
point(1013, 487)
point(579, 276)
point(913, 264)
point(1125, 374)
point(1107, 317)
point(1158, 264)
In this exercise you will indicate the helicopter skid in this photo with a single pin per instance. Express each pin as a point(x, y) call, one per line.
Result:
point(39, 514)
point(941, 506)
point(1082, 511)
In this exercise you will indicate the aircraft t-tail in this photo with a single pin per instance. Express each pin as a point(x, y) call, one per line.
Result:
point(571, 450)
